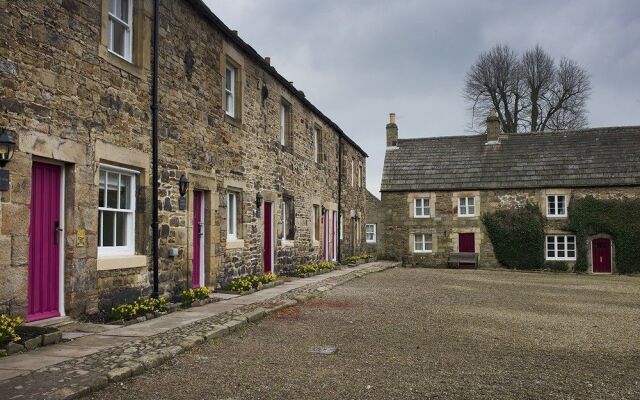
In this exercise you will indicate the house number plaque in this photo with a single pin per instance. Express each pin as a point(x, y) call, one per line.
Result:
point(81, 238)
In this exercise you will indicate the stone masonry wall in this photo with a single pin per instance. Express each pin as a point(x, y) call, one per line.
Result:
point(70, 101)
point(445, 225)
point(375, 215)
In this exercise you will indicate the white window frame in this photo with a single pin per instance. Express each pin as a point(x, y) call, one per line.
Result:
point(425, 209)
point(283, 210)
point(341, 218)
point(353, 172)
point(466, 207)
point(315, 215)
point(232, 216)
point(552, 199)
point(128, 36)
point(373, 233)
point(565, 242)
point(130, 247)
point(359, 174)
point(315, 145)
point(424, 242)
point(230, 92)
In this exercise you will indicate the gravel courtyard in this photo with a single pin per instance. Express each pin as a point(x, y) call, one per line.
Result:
point(419, 333)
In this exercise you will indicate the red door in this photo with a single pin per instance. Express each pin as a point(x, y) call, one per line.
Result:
point(466, 243)
point(44, 242)
point(198, 239)
point(325, 236)
point(601, 249)
point(268, 238)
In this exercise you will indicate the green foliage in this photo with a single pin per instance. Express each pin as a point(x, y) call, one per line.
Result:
point(619, 218)
point(138, 308)
point(517, 236)
point(190, 295)
point(8, 326)
point(558, 266)
point(249, 282)
point(354, 259)
point(313, 268)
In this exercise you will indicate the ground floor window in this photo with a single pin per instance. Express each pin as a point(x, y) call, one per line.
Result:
point(422, 243)
point(561, 247)
point(116, 209)
point(371, 233)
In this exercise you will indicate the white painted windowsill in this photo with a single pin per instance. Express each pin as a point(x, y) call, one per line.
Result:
point(288, 243)
point(121, 262)
point(235, 244)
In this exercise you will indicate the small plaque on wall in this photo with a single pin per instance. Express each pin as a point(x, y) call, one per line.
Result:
point(5, 180)
point(81, 238)
point(182, 203)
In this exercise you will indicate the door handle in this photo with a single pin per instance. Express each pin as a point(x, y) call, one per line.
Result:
point(56, 232)
point(600, 259)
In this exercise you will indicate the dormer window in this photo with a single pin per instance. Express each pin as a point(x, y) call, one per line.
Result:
point(556, 206)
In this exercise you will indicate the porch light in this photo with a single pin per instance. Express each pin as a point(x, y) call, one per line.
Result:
point(324, 210)
point(183, 185)
point(259, 198)
point(7, 145)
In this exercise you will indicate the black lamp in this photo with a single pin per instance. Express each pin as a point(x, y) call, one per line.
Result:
point(7, 145)
point(259, 198)
point(324, 210)
point(183, 185)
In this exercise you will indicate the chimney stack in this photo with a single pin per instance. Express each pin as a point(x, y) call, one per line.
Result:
point(493, 127)
point(392, 131)
point(268, 60)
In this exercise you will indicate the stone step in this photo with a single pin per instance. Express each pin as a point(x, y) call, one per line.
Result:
point(56, 322)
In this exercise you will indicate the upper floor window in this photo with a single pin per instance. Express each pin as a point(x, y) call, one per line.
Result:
point(230, 90)
point(116, 211)
point(316, 144)
point(561, 247)
point(341, 222)
point(120, 28)
point(360, 174)
point(466, 207)
point(232, 216)
point(422, 208)
point(371, 233)
point(557, 206)
point(422, 243)
point(353, 172)
point(285, 118)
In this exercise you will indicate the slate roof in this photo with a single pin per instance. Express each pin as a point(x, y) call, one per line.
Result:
point(580, 158)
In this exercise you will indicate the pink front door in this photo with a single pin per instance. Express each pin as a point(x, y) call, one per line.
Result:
point(44, 242)
point(466, 243)
point(325, 236)
point(601, 249)
point(267, 252)
point(333, 234)
point(198, 239)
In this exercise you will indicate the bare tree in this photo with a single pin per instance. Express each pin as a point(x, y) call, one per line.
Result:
point(529, 92)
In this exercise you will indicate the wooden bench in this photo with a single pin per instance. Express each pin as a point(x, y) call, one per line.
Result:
point(463, 260)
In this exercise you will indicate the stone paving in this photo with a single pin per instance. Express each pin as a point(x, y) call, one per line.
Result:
point(92, 360)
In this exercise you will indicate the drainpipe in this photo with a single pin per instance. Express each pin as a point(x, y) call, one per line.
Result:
point(340, 217)
point(154, 150)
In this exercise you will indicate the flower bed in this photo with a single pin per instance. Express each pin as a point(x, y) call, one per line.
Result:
point(251, 283)
point(195, 297)
point(357, 260)
point(16, 338)
point(307, 270)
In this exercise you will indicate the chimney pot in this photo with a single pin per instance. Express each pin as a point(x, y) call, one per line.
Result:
point(392, 131)
point(268, 60)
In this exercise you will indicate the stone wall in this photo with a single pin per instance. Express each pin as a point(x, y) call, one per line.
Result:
point(70, 101)
point(444, 224)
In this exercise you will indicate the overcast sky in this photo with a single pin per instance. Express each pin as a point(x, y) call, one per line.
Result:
point(359, 60)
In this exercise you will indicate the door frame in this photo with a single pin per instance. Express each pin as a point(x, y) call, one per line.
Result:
point(201, 239)
point(273, 239)
point(62, 233)
point(593, 239)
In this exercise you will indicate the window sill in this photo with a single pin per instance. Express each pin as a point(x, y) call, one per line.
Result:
point(371, 242)
point(288, 243)
point(235, 244)
point(121, 262)
point(235, 121)
point(121, 63)
point(424, 217)
point(557, 216)
point(422, 252)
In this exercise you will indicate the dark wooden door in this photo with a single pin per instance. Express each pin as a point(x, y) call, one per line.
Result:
point(198, 239)
point(466, 243)
point(44, 242)
point(601, 255)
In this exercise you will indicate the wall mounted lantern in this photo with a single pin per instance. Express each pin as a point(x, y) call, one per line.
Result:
point(324, 210)
point(259, 199)
point(183, 186)
point(7, 145)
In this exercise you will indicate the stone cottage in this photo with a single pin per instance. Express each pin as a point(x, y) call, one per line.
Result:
point(434, 190)
point(253, 178)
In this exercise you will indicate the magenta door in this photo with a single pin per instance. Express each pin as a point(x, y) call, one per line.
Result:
point(198, 239)
point(466, 243)
point(267, 257)
point(333, 234)
point(325, 236)
point(601, 255)
point(44, 242)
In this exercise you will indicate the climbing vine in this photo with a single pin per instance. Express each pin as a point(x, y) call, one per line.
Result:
point(517, 236)
point(618, 218)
